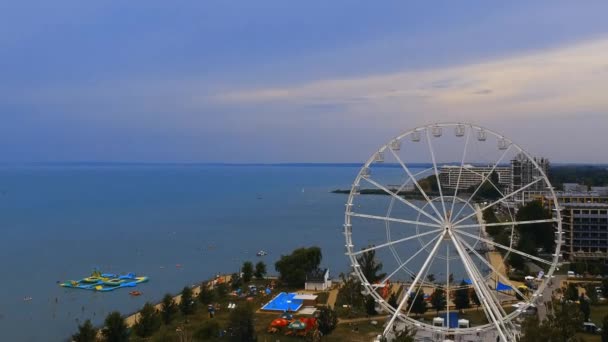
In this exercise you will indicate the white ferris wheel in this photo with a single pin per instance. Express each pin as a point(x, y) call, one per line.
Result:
point(421, 204)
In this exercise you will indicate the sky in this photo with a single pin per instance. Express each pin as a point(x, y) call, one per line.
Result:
point(285, 81)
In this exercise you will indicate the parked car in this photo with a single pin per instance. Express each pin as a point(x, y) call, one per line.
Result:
point(590, 327)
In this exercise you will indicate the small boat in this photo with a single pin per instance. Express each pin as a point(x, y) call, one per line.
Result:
point(135, 293)
point(261, 253)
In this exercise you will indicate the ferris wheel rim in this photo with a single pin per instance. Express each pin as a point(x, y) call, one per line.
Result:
point(458, 227)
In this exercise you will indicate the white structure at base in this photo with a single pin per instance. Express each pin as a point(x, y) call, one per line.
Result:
point(318, 280)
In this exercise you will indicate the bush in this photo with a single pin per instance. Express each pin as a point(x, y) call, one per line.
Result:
point(208, 330)
point(241, 322)
point(149, 321)
point(294, 267)
point(86, 333)
point(115, 329)
point(206, 296)
point(247, 270)
point(187, 304)
point(168, 309)
point(328, 319)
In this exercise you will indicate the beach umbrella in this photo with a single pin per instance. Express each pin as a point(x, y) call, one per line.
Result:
point(287, 316)
point(279, 322)
point(297, 325)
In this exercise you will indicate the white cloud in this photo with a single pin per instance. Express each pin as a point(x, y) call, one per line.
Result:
point(567, 80)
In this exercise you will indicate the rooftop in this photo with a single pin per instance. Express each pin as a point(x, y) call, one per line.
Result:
point(585, 205)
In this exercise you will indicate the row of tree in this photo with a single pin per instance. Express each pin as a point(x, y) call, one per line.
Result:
point(150, 318)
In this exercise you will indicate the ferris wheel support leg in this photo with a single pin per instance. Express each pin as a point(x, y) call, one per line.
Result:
point(426, 264)
point(503, 278)
point(482, 290)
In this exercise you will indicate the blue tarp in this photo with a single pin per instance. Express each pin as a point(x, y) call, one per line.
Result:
point(468, 281)
point(502, 287)
point(453, 319)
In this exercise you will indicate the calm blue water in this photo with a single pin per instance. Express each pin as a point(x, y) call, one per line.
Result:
point(60, 222)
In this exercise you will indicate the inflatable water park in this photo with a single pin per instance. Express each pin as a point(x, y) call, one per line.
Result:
point(104, 282)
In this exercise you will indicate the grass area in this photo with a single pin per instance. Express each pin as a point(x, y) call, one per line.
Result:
point(597, 313)
point(322, 297)
point(188, 326)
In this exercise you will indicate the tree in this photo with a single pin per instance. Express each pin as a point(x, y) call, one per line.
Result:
point(536, 234)
point(392, 300)
point(488, 189)
point(438, 300)
point(461, 297)
point(207, 295)
point(148, 322)
point(187, 304)
point(86, 333)
point(431, 278)
point(416, 303)
point(168, 309)
point(328, 319)
point(405, 335)
point(221, 291)
point(208, 330)
point(241, 322)
point(260, 270)
point(584, 307)
point(475, 299)
point(560, 326)
point(605, 286)
point(294, 267)
point(247, 271)
point(350, 292)
point(591, 293)
point(370, 306)
point(370, 266)
point(236, 281)
point(571, 292)
point(115, 329)
point(605, 329)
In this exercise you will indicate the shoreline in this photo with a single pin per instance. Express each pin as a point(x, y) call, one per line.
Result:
point(131, 319)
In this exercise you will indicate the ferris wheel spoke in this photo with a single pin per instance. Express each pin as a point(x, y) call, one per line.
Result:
point(464, 154)
point(392, 219)
point(413, 178)
point(412, 286)
point(502, 277)
point(483, 179)
point(512, 250)
point(428, 139)
point(514, 223)
point(426, 272)
point(401, 199)
point(504, 198)
point(400, 267)
point(390, 243)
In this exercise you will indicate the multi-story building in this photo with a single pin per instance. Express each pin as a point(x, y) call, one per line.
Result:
point(524, 172)
point(472, 176)
point(585, 230)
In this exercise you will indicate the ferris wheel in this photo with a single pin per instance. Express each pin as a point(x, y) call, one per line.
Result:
point(438, 206)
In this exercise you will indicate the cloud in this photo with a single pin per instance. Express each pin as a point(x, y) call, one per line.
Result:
point(570, 79)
